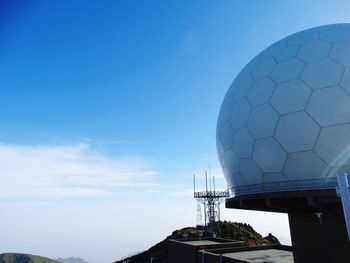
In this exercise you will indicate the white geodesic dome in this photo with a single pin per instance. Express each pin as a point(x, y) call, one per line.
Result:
point(284, 123)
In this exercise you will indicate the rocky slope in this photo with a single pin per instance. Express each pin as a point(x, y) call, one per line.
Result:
point(230, 230)
point(24, 258)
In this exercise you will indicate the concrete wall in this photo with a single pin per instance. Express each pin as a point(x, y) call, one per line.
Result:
point(213, 255)
point(323, 240)
point(181, 252)
point(314, 240)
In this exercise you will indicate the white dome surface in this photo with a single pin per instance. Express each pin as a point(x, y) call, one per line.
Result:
point(284, 123)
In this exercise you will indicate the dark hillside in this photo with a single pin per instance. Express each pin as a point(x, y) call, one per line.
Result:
point(229, 230)
point(24, 258)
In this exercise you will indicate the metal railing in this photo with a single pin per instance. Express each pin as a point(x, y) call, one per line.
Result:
point(214, 194)
point(283, 186)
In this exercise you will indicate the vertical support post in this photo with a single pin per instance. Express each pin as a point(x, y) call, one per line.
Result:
point(220, 258)
point(219, 211)
point(205, 214)
point(343, 191)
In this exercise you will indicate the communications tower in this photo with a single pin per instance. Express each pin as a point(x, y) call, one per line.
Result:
point(211, 200)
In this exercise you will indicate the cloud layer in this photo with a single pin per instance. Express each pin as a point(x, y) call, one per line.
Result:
point(53, 172)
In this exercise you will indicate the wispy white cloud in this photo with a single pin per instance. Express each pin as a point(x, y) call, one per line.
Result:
point(48, 172)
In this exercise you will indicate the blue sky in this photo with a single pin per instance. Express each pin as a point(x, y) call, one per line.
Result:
point(109, 107)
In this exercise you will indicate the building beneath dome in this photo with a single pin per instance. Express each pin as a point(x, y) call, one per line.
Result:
point(283, 135)
point(316, 222)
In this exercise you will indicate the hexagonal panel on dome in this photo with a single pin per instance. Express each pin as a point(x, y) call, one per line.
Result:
point(329, 106)
point(241, 87)
point(226, 108)
point(273, 49)
point(345, 81)
point(232, 161)
point(250, 171)
point(296, 132)
point(262, 121)
point(269, 155)
point(287, 70)
point(260, 91)
point(322, 73)
point(336, 33)
point(250, 66)
point(302, 38)
point(238, 180)
point(286, 53)
point(263, 68)
point(240, 114)
point(314, 50)
point(341, 53)
point(243, 143)
point(226, 135)
point(290, 96)
point(333, 145)
point(228, 175)
point(304, 165)
point(221, 153)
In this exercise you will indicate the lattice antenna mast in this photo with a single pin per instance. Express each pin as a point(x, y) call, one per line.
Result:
point(199, 214)
point(211, 200)
point(199, 208)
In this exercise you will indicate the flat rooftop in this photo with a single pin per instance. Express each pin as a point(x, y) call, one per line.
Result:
point(203, 242)
point(263, 256)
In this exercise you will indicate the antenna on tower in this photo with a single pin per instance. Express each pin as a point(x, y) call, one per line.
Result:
point(206, 181)
point(211, 182)
point(194, 183)
point(214, 182)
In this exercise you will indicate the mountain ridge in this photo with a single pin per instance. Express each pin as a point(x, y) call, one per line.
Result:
point(24, 258)
point(228, 230)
